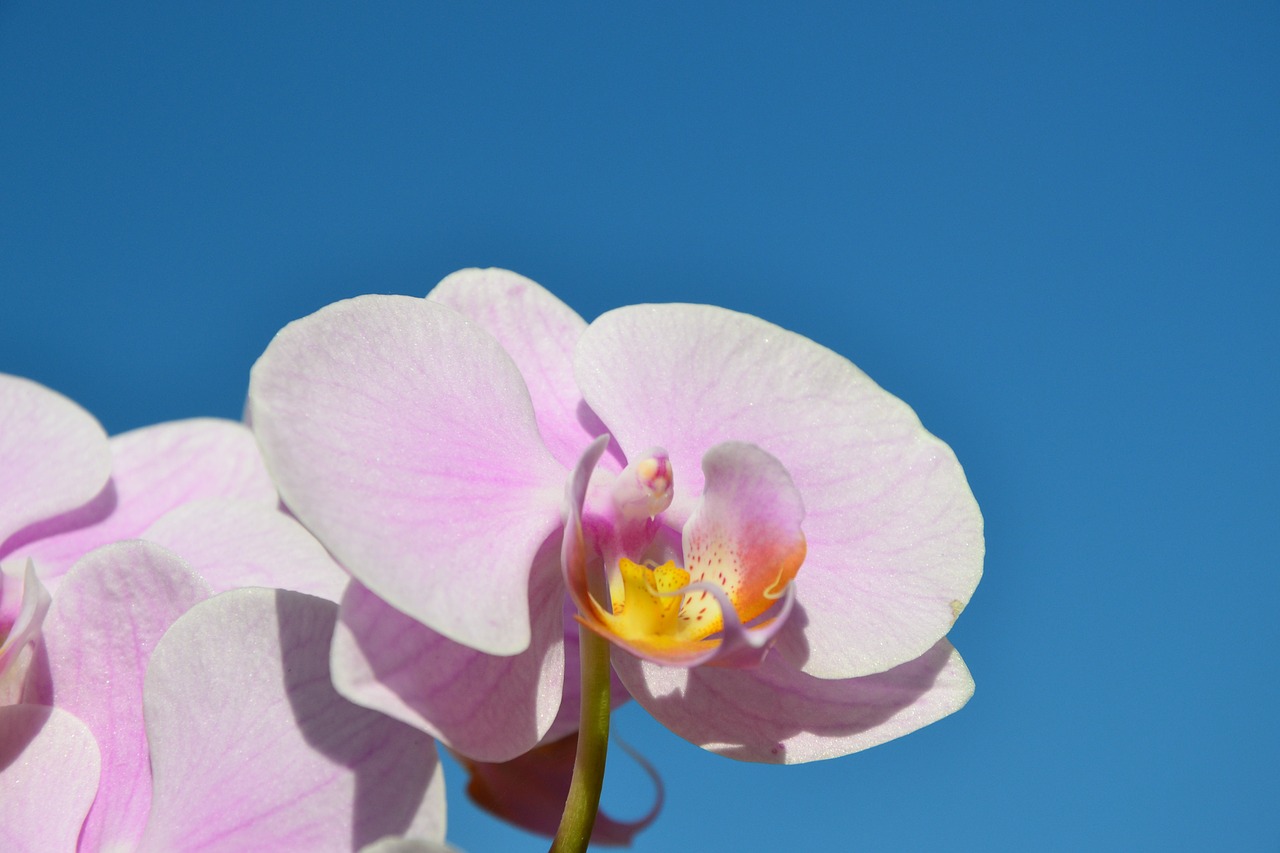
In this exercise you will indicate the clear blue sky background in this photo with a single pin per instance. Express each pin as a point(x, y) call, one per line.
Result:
point(1055, 232)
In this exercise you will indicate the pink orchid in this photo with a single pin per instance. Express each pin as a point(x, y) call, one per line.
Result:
point(162, 717)
point(72, 489)
point(774, 545)
point(241, 754)
point(197, 486)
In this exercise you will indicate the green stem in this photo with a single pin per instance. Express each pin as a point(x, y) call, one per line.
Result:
point(593, 742)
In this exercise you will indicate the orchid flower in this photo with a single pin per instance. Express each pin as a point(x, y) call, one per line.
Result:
point(77, 765)
point(73, 490)
point(165, 718)
point(773, 545)
point(197, 486)
point(430, 443)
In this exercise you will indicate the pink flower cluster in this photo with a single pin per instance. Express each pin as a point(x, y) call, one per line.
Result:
point(218, 638)
point(175, 695)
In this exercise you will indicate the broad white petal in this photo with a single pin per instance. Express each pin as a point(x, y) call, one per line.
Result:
point(775, 714)
point(403, 437)
point(894, 535)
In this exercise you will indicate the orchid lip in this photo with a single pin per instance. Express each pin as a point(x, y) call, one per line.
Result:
point(742, 546)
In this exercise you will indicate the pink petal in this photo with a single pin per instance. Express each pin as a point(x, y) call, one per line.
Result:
point(252, 749)
point(49, 769)
point(403, 437)
point(894, 535)
point(237, 543)
point(154, 470)
point(538, 331)
point(776, 714)
point(488, 707)
point(53, 453)
point(106, 619)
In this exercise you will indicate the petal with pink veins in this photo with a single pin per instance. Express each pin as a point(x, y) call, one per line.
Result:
point(252, 749)
point(106, 619)
point(154, 470)
point(49, 770)
point(776, 714)
point(403, 436)
point(489, 707)
point(53, 453)
point(894, 535)
point(538, 331)
point(238, 543)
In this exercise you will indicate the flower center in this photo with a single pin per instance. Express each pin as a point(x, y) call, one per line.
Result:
point(741, 548)
point(651, 604)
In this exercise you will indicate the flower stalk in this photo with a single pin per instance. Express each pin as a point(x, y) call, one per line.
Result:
point(583, 802)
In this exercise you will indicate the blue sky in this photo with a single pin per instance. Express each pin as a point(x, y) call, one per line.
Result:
point(1054, 231)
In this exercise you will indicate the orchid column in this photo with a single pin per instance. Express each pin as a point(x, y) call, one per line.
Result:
point(772, 545)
